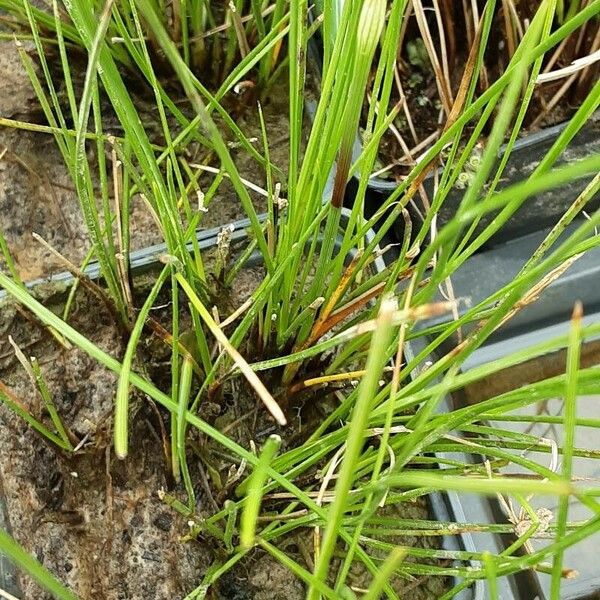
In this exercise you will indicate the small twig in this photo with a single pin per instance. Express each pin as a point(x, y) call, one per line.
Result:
point(508, 29)
point(404, 104)
point(346, 310)
point(226, 26)
point(236, 313)
point(109, 486)
point(441, 80)
point(329, 475)
point(328, 380)
point(166, 336)
point(237, 358)
point(240, 33)
point(248, 184)
point(334, 298)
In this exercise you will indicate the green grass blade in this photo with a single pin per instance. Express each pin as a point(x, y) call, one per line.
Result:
point(255, 492)
point(178, 445)
point(369, 384)
point(12, 403)
point(386, 572)
point(33, 568)
point(121, 424)
point(571, 393)
point(49, 403)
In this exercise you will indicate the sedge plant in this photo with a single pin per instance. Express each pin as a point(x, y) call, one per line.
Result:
point(329, 322)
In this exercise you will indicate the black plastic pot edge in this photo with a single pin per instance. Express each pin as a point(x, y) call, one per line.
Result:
point(145, 258)
point(531, 141)
point(527, 152)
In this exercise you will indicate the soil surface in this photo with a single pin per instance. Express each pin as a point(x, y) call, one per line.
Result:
point(97, 523)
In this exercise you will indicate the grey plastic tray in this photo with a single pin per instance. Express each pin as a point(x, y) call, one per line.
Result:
point(547, 318)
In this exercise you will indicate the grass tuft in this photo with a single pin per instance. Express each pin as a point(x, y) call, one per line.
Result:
point(372, 341)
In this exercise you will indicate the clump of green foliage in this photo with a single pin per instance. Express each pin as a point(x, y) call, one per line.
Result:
point(211, 37)
point(321, 300)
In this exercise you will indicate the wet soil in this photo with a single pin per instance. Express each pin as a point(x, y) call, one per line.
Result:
point(95, 522)
point(98, 523)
